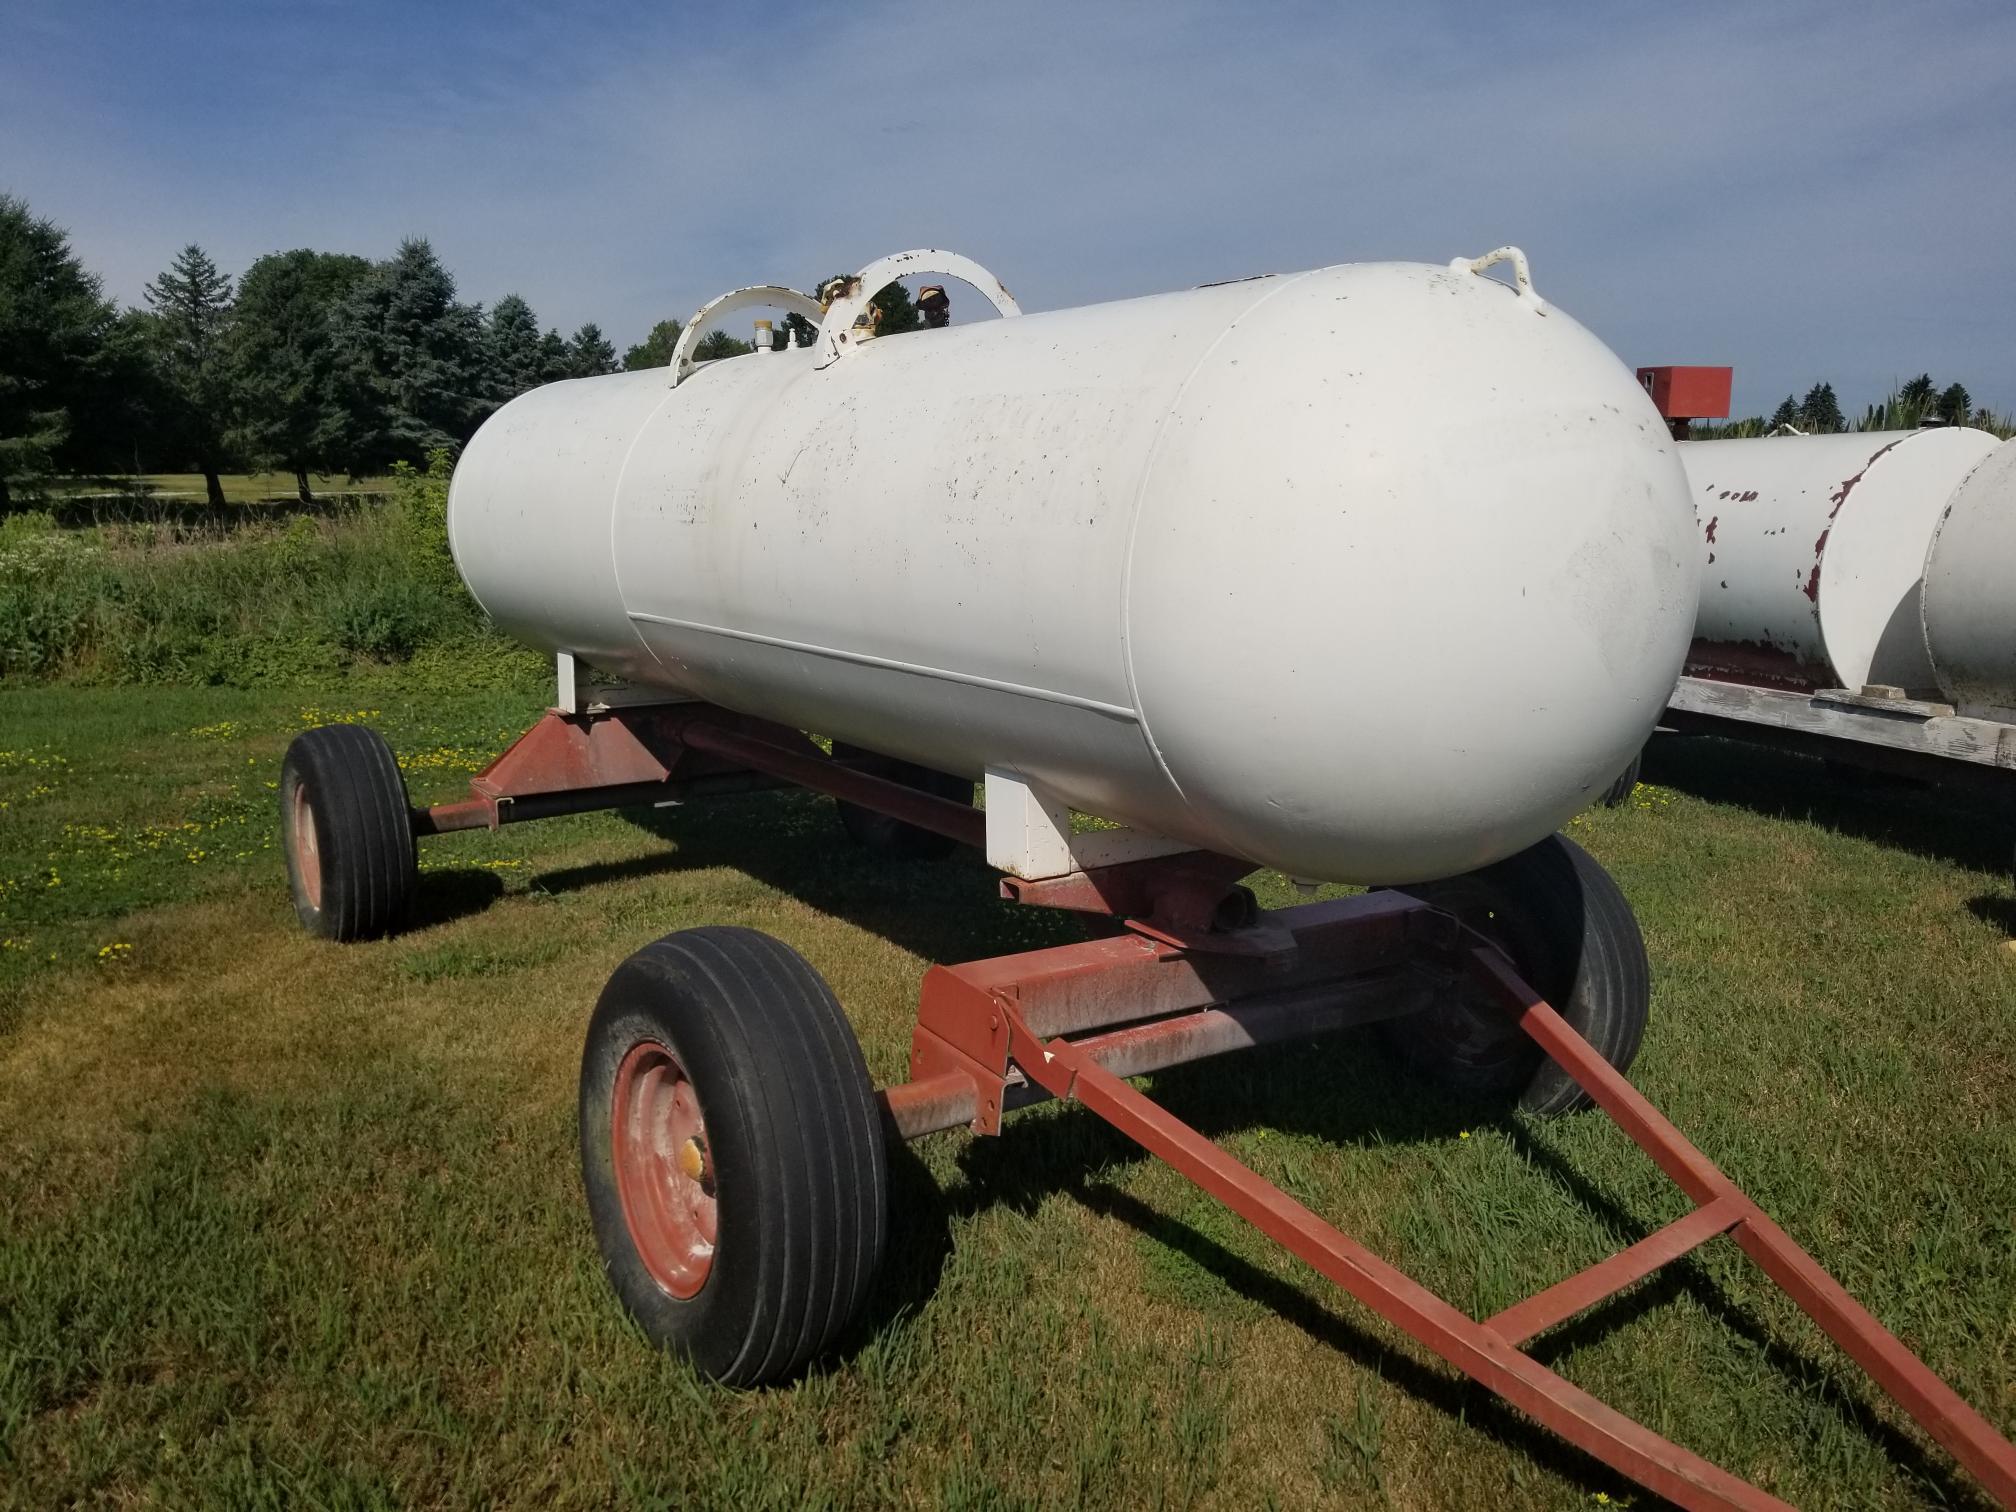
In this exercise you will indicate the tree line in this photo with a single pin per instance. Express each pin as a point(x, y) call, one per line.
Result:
point(311, 363)
point(325, 363)
point(1919, 401)
point(1913, 403)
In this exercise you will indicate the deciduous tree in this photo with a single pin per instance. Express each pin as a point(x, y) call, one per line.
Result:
point(655, 350)
point(896, 310)
point(282, 352)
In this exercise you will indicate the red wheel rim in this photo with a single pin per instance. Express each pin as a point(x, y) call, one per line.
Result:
point(307, 850)
point(664, 1169)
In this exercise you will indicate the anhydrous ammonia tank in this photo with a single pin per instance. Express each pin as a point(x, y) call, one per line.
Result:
point(1375, 573)
point(1970, 591)
point(1812, 548)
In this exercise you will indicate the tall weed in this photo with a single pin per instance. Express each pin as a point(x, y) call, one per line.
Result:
point(368, 586)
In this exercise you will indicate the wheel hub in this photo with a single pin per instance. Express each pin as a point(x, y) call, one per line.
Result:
point(307, 846)
point(664, 1169)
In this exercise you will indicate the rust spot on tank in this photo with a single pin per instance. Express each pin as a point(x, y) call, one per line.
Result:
point(1712, 523)
point(1812, 588)
point(1757, 662)
point(1725, 493)
point(1840, 495)
point(1821, 545)
point(1711, 558)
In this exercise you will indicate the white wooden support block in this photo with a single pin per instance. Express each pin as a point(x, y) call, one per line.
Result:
point(567, 695)
point(1026, 836)
point(1029, 834)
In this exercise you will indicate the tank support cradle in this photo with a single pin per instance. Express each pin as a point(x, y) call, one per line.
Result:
point(1196, 972)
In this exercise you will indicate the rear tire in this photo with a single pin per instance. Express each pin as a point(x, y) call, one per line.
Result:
point(731, 1148)
point(892, 837)
point(1564, 924)
point(1619, 792)
point(347, 833)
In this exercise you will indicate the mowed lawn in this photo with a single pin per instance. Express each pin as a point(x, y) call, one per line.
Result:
point(288, 1222)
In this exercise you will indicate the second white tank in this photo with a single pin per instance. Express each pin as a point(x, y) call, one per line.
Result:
point(1812, 548)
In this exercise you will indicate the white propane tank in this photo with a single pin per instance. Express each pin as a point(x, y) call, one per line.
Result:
point(1811, 550)
point(1376, 573)
point(1970, 591)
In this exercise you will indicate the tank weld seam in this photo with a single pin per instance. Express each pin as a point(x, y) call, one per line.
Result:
point(890, 664)
point(1148, 466)
point(616, 520)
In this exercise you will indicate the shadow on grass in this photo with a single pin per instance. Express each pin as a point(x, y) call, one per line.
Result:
point(1971, 828)
point(1844, 1391)
point(445, 896)
point(943, 911)
point(1999, 911)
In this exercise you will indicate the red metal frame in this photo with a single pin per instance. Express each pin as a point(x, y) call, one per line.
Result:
point(1197, 974)
point(990, 1030)
point(635, 754)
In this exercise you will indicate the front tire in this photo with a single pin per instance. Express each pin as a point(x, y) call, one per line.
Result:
point(731, 1148)
point(347, 833)
point(1564, 924)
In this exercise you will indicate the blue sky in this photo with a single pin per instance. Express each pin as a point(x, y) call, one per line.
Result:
point(1804, 190)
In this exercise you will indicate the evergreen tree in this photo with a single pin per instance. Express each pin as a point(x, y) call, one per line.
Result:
point(796, 331)
point(555, 361)
point(513, 351)
point(899, 311)
point(191, 302)
point(1956, 405)
point(718, 344)
point(1820, 411)
point(123, 420)
point(1786, 414)
point(654, 350)
point(282, 359)
point(1918, 392)
point(56, 328)
point(410, 362)
point(589, 354)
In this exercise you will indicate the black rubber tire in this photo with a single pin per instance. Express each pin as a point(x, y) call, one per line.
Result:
point(892, 837)
point(362, 853)
point(794, 1135)
point(1572, 935)
point(1619, 792)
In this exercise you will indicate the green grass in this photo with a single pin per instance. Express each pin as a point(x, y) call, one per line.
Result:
point(285, 1222)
